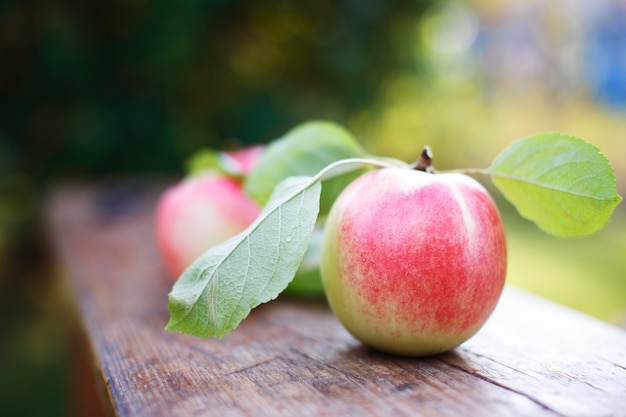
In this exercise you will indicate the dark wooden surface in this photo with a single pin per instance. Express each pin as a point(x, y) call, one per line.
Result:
point(291, 357)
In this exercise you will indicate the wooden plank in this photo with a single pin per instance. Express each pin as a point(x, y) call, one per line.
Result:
point(291, 357)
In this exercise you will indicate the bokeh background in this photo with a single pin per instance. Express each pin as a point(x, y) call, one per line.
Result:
point(91, 89)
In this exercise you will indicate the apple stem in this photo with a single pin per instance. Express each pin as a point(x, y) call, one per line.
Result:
point(425, 161)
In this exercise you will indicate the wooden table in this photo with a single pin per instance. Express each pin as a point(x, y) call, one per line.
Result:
point(291, 357)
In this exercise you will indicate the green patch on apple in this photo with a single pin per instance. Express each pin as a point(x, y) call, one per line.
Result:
point(412, 260)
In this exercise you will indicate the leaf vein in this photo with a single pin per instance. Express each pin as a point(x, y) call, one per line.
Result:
point(549, 186)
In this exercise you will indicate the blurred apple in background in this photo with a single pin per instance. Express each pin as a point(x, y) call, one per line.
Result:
point(205, 209)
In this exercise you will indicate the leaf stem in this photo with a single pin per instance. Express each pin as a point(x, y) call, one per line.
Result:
point(469, 171)
point(334, 169)
point(486, 171)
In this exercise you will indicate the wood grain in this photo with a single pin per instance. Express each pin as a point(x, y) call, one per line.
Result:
point(291, 357)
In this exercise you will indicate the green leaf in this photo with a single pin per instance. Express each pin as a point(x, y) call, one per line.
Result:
point(562, 183)
point(207, 159)
point(304, 150)
point(308, 281)
point(221, 287)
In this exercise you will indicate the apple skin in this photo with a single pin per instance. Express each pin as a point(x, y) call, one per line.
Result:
point(413, 263)
point(246, 158)
point(202, 211)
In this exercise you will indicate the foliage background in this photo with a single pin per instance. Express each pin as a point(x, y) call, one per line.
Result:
point(106, 88)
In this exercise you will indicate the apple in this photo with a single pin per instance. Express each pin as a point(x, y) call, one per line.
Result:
point(413, 263)
point(202, 211)
point(246, 158)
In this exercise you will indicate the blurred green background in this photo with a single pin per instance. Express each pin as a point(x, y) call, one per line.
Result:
point(99, 88)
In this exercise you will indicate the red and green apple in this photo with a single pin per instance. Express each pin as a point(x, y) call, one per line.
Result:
point(413, 263)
